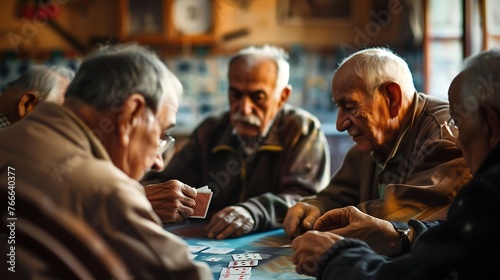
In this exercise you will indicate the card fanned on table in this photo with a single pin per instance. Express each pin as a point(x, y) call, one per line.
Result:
point(202, 202)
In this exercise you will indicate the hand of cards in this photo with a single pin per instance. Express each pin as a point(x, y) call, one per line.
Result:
point(202, 202)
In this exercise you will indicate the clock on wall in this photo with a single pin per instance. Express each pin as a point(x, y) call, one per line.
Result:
point(167, 21)
point(192, 17)
point(193, 21)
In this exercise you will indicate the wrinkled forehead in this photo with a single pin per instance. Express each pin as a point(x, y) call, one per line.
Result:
point(172, 88)
point(251, 63)
point(455, 89)
point(345, 81)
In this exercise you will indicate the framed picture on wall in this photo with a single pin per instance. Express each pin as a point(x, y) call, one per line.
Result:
point(493, 17)
point(316, 12)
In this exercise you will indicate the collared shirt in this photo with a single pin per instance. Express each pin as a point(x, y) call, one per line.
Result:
point(4, 122)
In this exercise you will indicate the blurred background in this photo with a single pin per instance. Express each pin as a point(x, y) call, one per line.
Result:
point(196, 37)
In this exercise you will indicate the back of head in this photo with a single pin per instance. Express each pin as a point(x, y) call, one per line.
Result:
point(375, 66)
point(110, 75)
point(279, 56)
point(481, 82)
point(43, 80)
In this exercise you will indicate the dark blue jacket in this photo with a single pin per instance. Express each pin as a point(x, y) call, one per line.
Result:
point(465, 246)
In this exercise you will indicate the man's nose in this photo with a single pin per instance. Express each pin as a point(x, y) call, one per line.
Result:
point(158, 163)
point(246, 105)
point(343, 122)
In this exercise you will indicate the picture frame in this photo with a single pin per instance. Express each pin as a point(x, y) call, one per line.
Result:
point(493, 17)
point(316, 12)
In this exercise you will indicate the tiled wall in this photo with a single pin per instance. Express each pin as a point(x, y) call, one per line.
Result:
point(205, 82)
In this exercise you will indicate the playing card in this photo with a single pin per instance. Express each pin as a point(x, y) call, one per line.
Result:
point(196, 249)
point(202, 201)
point(204, 188)
point(247, 256)
point(243, 263)
point(235, 277)
point(236, 270)
point(217, 251)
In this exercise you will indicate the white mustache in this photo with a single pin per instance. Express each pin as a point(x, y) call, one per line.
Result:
point(249, 119)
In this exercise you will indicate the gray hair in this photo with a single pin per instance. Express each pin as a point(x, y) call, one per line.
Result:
point(481, 81)
point(41, 79)
point(376, 66)
point(278, 55)
point(112, 74)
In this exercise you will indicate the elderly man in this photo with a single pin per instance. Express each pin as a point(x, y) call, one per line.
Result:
point(404, 163)
point(451, 249)
point(88, 155)
point(41, 83)
point(259, 158)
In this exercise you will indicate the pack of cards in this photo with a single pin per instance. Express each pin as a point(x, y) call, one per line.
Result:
point(241, 267)
point(247, 256)
point(202, 202)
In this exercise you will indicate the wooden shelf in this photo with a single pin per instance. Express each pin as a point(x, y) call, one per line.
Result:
point(152, 22)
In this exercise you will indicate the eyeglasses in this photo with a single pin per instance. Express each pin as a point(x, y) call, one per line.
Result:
point(167, 141)
point(451, 126)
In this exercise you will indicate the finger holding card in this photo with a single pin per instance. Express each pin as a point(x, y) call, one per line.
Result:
point(172, 201)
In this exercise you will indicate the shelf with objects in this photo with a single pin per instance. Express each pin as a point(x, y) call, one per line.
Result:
point(172, 22)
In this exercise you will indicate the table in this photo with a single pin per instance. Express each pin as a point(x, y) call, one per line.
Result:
point(273, 246)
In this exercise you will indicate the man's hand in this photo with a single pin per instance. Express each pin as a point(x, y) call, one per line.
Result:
point(173, 201)
point(351, 222)
point(300, 218)
point(309, 248)
point(232, 221)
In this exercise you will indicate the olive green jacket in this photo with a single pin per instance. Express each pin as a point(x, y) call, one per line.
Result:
point(292, 161)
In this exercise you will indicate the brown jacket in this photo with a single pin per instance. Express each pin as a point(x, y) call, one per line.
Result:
point(55, 151)
point(420, 179)
point(293, 161)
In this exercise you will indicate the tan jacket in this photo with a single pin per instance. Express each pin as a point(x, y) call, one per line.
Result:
point(420, 179)
point(55, 151)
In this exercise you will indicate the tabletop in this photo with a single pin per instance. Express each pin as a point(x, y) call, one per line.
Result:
point(273, 246)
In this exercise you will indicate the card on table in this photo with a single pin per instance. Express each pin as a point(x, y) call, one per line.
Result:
point(243, 263)
point(235, 277)
point(247, 256)
point(202, 201)
point(236, 271)
point(196, 249)
point(218, 251)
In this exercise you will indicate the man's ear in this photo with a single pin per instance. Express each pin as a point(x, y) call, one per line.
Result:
point(285, 94)
point(393, 96)
point(491, 120)
point(130, 116)
point(27, 103)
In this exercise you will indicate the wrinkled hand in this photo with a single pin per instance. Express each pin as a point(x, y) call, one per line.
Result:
point(351, 222)
point(232, 221)
point(173, 201)
point(300, 218)
point(309, 247)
